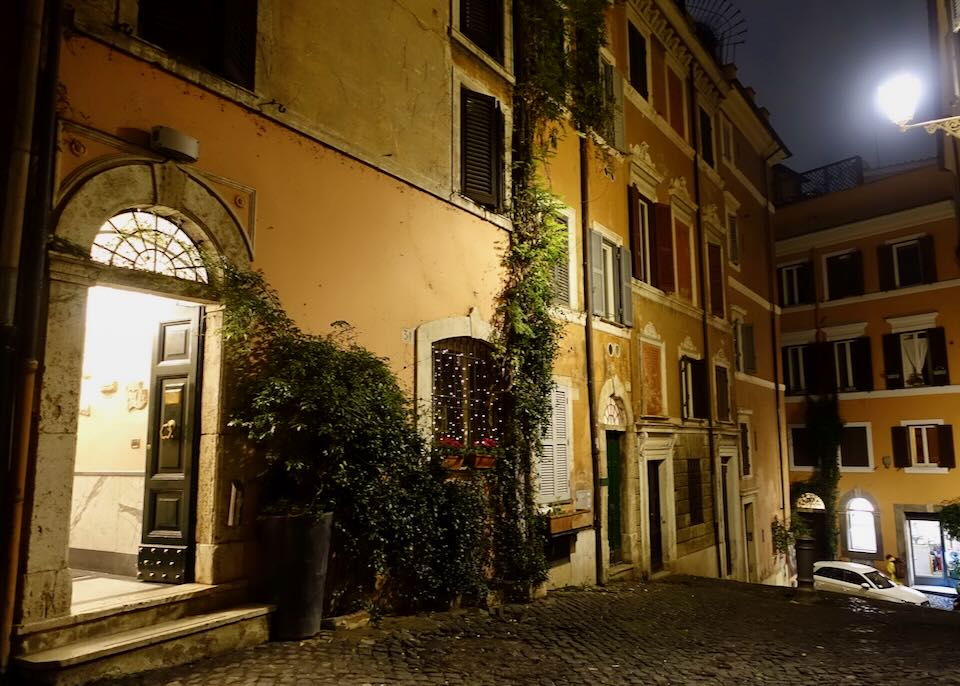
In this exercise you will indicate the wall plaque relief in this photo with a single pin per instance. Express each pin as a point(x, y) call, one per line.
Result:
point(136, 396)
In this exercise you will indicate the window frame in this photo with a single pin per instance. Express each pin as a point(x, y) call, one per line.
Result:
point(462, 82)
point(744, 425)
point(826, 261)
point(792, 270)
point(646, 340)
point(648, 67)
point(668, 65)
point(717, 366)
point(727, 141)
point(702, 140)
point(794, 467)
point(790, 367)
point(469, 436)
point(503, 56)
point(689, 365)
point(927, 425)
point(733, 239)
point(569, 216)
point(566, 495)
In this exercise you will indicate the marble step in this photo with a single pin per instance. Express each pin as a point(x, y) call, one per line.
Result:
point(165, 644)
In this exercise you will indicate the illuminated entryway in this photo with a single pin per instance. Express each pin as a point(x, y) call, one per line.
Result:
point(934, 557)
point(135, 456)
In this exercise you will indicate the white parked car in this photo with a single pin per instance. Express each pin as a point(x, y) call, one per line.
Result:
point(854, 578)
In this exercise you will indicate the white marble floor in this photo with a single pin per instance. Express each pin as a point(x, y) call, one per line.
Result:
point(95, 590)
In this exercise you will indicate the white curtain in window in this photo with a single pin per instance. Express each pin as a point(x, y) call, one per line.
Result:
point(914, 348)
point(861, 527)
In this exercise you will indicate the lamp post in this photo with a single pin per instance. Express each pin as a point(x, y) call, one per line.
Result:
point(897, 98)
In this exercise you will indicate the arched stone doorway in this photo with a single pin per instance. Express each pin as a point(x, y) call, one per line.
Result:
point(176, 197)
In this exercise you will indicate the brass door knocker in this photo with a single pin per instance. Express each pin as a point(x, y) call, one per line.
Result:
point(167, 429)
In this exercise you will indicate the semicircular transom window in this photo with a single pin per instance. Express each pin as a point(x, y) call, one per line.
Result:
point(150, 243)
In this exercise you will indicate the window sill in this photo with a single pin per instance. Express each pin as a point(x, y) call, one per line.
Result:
point(489, 61)
point(711, 173)
point(926, 470)
point(862, 470)
point(465, 203)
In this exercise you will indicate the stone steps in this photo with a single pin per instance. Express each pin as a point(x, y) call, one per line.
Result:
point(164, 644)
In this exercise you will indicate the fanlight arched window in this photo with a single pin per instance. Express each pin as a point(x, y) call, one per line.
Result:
point(861, 526)
point(148, 242)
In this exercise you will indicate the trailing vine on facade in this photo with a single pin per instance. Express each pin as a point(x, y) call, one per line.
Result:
point(824, 431)
point(550, 81)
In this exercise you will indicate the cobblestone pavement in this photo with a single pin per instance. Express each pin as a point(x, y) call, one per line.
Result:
point(680, 631)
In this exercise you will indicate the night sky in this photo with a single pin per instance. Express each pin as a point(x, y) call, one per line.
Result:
point(815, 64)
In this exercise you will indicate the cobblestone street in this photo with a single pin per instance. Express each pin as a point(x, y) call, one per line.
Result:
point(680, 631)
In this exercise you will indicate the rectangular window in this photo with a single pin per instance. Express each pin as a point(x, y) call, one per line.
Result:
point(745, 455)
point(923, 445)
point(693, 388)
point(733, 239)
point(676, 103)
point(638, 60)
point(916, 358)
point(907, 263)
point(695, 491)
point(795, 359)
point(706, 137)
point(852, 365)
point(481, 148)
point(220, 37)
point(612, 294)
point(844, 275)
point(640, 235)
point(855, 446)
point(722, 383)
point(612, 89)
point(651, 361)
point(553, 473)
point(466, 402)
point(745, 347)
point(482, 22)
point(795, 283)
point(726, 140)
point(715, 274)
point(800, 453)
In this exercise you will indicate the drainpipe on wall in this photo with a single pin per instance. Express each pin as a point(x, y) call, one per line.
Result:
point(705, 323)
point(588, 345)
point(31, 253)
point(774, 335)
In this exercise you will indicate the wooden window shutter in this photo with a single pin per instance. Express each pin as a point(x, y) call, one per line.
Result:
point(900, 439)
point(748, 342)
point(479, 156)
point(862, 364)
point(856, 266)
point(619, 126)
point(240, 41)
point(939, 374)
point(945, 445)
point(885, 267)
point(662, 262)
point(554, 468)
point(701, 404)
point(892, 360)
point(715, 265)
point(596, 268)
point(482, 22)
point(636, 237)
point(638, 60)
point(561, 272)
point(723, 393)
point(807, 293)
point(626, 287)
point(928, 259)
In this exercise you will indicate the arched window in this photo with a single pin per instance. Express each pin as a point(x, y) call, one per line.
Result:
point(147, 242)
point(861, 526)
point(466, 391)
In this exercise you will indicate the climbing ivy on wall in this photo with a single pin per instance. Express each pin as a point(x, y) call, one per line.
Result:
point(824, 431)
point(550, 80)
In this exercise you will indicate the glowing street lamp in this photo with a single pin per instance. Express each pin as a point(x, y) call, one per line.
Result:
point(898, 97)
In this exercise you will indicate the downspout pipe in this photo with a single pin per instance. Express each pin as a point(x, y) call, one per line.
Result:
point(28, 306)
point(588, 349)
point(705, 322)
point(774, 334)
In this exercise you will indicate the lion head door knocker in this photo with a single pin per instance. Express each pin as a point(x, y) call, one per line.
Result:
point(168, 430)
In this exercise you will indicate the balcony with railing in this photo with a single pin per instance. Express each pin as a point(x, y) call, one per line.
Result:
point(791, 186)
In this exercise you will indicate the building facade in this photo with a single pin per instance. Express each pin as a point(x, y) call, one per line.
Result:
point(867, 279)
point(363, 165)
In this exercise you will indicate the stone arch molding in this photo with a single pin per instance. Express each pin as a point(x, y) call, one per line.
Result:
point(149, 185)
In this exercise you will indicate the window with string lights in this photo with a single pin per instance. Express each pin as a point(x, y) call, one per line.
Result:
point(467, 400)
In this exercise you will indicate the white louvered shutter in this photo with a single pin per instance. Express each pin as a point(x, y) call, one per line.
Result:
point(554, 472)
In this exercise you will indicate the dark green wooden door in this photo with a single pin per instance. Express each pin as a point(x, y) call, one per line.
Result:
point(167, 543)
point(614, 481)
